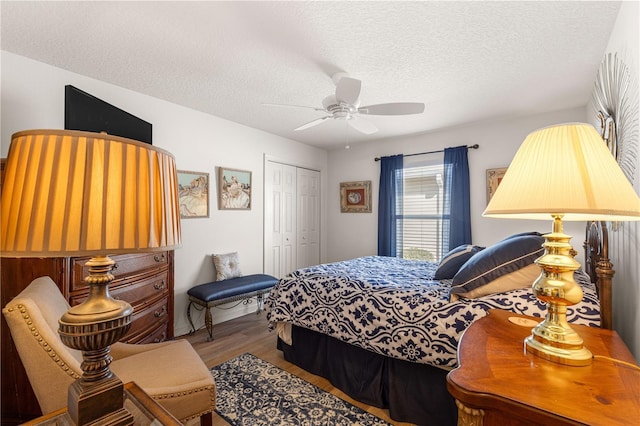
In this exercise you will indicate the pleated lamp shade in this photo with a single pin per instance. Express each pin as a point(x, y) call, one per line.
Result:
point(564, 169)
point(79, 193)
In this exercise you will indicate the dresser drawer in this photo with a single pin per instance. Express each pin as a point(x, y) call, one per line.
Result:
point(144, 291)
point(158, 335)
point(128, 266)
point(136, 293)
point(147, 318)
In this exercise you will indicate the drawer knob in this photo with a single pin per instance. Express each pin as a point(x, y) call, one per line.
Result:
point(160, 285)
point(161, 312)
point(160, 258)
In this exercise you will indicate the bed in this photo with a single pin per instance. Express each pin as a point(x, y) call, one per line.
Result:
point(385, 330)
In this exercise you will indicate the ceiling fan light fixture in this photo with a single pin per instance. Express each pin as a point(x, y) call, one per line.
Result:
point(345, 105)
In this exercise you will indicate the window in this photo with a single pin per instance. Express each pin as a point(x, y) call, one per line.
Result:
point(420, 223)
point(435, 216)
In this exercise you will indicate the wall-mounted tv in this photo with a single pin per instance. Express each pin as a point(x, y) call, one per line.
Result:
point(83, 111)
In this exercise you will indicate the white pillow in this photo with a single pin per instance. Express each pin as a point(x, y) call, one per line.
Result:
point(227, 266)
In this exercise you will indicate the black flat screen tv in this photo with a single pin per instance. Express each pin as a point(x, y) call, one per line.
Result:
point(83, 111)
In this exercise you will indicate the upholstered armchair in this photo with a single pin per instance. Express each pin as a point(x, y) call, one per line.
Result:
point(172, 373)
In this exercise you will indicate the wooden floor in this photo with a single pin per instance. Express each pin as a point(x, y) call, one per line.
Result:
point(250, 333)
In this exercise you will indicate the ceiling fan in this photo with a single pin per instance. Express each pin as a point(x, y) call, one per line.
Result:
point(345, 105)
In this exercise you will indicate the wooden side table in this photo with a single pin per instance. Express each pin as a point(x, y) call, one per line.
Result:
point(498, 383)
point(145, 411)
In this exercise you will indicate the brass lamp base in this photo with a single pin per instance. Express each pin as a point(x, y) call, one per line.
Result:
point(97, 397)
point(553, 339)
point(577, 357)
point(558, 342)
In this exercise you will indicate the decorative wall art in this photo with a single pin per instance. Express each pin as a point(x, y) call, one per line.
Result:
point(193, 189)
point(234, 189)
point(494, 177)
point(355, 197)
point(615, 113)
point(614, 106)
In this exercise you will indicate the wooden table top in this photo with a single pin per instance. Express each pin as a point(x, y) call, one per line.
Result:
point(496, 373)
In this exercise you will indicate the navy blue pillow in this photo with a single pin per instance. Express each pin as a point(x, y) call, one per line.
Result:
point(452, 261)
point(502, 258)
point(522, 234)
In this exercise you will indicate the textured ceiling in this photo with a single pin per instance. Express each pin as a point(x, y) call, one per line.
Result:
point(467, 61)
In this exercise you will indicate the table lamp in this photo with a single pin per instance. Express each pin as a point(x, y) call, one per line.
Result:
point(563, 172)
point(70, 193)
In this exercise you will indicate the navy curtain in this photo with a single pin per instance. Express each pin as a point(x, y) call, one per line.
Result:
point(390, 205)
point(456, 198)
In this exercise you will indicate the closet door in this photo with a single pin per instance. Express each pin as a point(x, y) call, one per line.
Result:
point(308, 183)
point(280, 219)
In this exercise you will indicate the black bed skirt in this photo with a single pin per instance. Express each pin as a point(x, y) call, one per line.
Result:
point(414, 393)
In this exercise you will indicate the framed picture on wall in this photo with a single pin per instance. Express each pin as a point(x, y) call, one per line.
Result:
point(494, 177)
point(193, 193)
point(234, 189)
point(355, 197)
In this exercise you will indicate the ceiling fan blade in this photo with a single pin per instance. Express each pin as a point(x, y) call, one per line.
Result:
point(398, 108)
point(348, 90)
point(363, 126)
point(312, 123)
point(291, 106)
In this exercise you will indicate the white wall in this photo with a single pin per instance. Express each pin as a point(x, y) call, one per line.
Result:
point(354, 234)
point(624, 252)
point(33, 97)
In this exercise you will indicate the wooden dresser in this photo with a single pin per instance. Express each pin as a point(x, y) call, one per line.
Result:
point(145, 280)
point(497, 383)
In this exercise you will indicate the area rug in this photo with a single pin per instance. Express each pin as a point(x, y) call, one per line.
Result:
point(251, 391)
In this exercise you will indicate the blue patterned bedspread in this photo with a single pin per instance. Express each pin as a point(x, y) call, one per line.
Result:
point(393, 307)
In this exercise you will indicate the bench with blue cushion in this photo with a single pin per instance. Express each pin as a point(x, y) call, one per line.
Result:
point(227, 291)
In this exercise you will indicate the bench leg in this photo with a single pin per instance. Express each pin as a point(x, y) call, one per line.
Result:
point(209, 323)
point(193, 329)
point(260, 303)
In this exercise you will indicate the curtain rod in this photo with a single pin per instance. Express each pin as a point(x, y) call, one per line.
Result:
point(476, 146)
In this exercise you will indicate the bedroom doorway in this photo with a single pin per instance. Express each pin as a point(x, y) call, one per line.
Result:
point(291, 218)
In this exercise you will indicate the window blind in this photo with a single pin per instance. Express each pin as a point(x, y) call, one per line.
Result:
point(421, 213)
